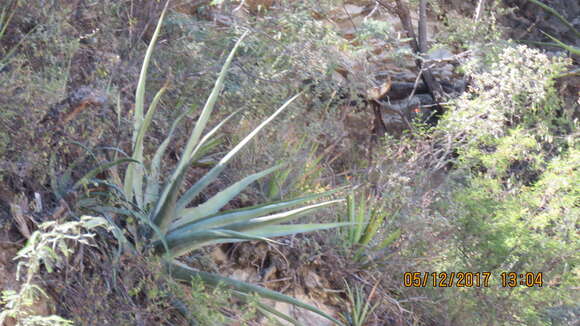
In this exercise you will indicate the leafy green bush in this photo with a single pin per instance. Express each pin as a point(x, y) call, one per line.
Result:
point(515, 211)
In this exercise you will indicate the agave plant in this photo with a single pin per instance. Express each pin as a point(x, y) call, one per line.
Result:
point(180, 227)
point(366, 218)
point(360, 305)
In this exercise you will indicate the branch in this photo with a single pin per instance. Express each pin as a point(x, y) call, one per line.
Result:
point(423, 26)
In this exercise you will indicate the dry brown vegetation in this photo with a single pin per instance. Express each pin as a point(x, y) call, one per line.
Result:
point(457, 149)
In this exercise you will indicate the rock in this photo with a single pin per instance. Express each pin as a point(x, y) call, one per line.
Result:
point(312, 280)
point(339, 78)
point(256, 6)
point(305, 317)
point(441, 53)
point(219, 256)
point(376, 93)
point(349, 28)
point(309, 318)
point(346, 12)
point(353, 10)
point(444, 72)
point(284, 308)
point(246, 275)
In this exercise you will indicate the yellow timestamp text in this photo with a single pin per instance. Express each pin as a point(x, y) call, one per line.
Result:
point(470, 279)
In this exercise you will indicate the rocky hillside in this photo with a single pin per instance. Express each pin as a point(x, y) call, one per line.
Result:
point(409, 162)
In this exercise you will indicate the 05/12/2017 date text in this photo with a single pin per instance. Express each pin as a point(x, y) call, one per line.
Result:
point(471, 279)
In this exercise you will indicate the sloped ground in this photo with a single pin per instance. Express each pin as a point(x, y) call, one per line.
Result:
point(67, 78)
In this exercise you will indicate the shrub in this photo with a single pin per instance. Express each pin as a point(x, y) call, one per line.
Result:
point(49, 246)
point(509, 134)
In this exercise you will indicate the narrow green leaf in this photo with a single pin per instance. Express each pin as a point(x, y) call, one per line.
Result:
point(140, 92)
point(557, 15)
point(180, 246)
point(153, 182)
point(351, 211)
point(265, 310)
point(140, 106)
point(4, 60)
point(271, 231)
point(91, 174)
point(390, 239)
point(260, 222)
point(189, 238)
point(276, 183)
point(214, 204)
point(201, 239)
point(376, 220)
point(202, 143)
point(360, 219)
point(137, 173)
point(192, 192)
point(247, 213)
point(184, 273)
point(571, 49)
point(208, 108)
point(165, 208)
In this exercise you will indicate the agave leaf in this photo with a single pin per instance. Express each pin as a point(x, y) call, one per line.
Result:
point(152, 191)
point(254, 230)
point(270, 231)
point(139, 107)
point(184, 273)
point(195, 240)
point(184, 231)
point(214, 204)
point(351, 209)
point(208, 108)
point(91, 174)
point(197, 152)
point(360, 220)
point(165, 208)
point(208, 146)
point(201, 239)
point(183, 240)
point(247, 213)
point(209, 177)
point(136, 173)
point(390, 239)
point(153, 186)
point(266, 309)
point(260, 222)
point(140, 92)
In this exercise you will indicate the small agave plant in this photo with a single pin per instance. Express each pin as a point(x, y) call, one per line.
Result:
point(178, 227)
